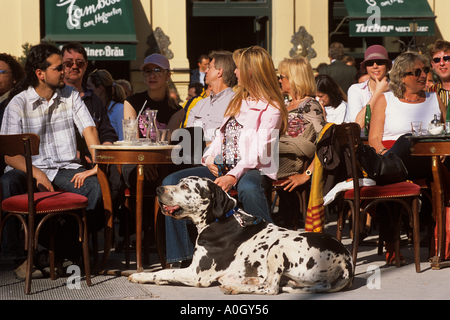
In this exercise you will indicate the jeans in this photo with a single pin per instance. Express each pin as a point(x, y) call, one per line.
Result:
point(14, 183)
point(251, 193)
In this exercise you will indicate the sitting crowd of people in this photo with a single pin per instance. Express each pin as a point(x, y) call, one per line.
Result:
point(260, 123)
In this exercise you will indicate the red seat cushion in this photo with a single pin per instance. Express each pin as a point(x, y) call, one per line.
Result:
point(46, 202)
point(278, 183)
point(395, 190)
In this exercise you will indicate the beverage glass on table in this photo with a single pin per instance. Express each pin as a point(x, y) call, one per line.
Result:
point(164, 137)
point(130, 129)
point(416, 128)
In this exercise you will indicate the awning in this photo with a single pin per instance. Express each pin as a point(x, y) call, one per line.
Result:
point(381, 18)
point(104, 27)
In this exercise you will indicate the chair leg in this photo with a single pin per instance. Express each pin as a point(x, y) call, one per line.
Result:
point(355, 227)
point(51, 251)
point(416, 233)
point(87, 269)
point(159, 239)
point(340, 225)
point(127, 232)
point(30, 252)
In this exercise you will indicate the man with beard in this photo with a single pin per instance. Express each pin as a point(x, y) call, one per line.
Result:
point(42, 104)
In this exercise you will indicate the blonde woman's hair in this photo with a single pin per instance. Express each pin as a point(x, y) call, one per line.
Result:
point(300, 75)
point(403, 63)
point(258, 80)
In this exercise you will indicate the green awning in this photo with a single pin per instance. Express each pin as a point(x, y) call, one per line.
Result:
point(381, 18)
point(104, 27)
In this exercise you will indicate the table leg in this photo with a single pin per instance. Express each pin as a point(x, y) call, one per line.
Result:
point(107, 204)
point(139, 207)
point(439, 211)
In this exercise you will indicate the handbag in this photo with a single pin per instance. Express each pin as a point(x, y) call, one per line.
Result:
point(384, 169)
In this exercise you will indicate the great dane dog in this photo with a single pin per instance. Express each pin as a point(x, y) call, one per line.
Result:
point(246, 254)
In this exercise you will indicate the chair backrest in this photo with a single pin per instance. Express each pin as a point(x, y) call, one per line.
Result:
point(26, 145)
point(14, 144)
point(348, 135)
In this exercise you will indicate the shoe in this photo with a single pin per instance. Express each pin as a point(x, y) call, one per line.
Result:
point(20, 272)
point(390, 259)
point(181, 264)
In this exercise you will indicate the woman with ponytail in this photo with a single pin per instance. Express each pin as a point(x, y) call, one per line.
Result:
point(112, 95)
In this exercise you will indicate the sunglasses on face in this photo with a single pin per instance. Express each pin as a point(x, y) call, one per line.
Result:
point(438, 59)
point(58, 68)
point(4, 72)
point(370, 63)
point(79, 63)
point(157, 72)
point(418, 72)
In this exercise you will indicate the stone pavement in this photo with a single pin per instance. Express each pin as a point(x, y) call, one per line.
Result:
point(385, 282)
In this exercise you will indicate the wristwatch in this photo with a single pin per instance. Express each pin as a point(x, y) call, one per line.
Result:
point(308, 172)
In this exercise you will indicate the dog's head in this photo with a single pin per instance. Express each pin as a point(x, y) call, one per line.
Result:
point(198, 199)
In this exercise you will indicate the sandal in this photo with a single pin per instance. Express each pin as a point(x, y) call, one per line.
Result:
point(390, 259)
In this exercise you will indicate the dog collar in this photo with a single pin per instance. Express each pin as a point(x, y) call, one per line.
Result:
point(243, 223)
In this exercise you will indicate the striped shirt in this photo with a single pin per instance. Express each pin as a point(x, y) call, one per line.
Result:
point(441, 92)
point(54, 121)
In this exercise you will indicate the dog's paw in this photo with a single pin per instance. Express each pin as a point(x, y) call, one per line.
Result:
point(251, 281)
point(138, 278)
point(227, 289)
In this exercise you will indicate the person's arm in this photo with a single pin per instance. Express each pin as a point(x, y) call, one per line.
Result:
point(298, 179)
point(42, 181)
point(377, 125)
point(91, 136)
point(381, 87)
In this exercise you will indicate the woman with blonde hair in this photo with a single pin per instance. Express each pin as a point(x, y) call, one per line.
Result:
point(305, 122)
point(112, 95)
point(391, 123)
point(242, 155)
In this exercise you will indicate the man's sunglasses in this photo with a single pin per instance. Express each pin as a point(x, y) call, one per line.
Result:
point(80, 64)
point(438, 60)
point(370, 63)
point(418, 72)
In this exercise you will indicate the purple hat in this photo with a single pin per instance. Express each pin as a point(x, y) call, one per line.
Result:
point(158, 59)
point(376, 52)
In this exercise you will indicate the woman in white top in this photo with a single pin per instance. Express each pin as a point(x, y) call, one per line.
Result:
point(391, 121)
point(377, 65)
point(331, 96)
point(406, 102)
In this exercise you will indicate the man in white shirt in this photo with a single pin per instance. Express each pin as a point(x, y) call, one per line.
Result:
point(42, 104)
point(208, 113)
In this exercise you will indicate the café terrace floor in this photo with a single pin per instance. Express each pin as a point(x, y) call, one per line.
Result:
point(386, 282)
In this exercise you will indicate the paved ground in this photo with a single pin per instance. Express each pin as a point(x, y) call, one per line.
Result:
point(385, 283)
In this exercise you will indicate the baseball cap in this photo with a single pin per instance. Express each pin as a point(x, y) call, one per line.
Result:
point(158, 59)
point(376, 52)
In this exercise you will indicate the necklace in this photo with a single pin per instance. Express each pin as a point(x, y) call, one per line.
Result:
point(411, 101)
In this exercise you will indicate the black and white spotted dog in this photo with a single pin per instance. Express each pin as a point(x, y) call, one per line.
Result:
point(246, 254)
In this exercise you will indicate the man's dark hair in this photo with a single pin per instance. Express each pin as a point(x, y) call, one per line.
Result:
point(75, 46)
point(36, 59)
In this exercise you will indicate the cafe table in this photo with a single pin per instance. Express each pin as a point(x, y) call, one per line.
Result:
point(126, 153)
point(435, 147)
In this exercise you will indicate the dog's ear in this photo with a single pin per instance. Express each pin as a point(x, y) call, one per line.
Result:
point(221, 201)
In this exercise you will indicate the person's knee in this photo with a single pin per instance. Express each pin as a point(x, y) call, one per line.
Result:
point(171, 179)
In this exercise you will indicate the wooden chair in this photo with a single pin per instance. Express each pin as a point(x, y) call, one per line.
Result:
point(401, 193)
point(47, 204)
